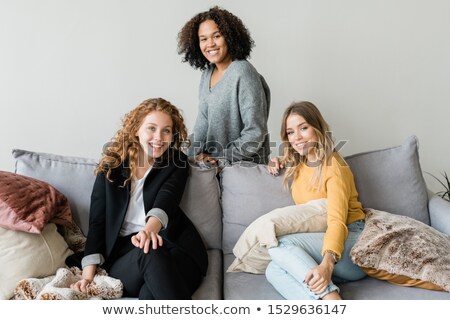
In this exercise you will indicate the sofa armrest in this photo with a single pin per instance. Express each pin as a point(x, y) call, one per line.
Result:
point(439, 213)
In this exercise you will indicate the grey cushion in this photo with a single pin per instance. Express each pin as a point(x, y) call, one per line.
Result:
point(201, 204)
point(391, 180)
point(211, 286)
point(74, 177)
point(248, 191)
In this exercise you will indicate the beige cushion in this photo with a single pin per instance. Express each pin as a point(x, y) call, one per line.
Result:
point(403, 246)
point(251, 248)
point(28, 255)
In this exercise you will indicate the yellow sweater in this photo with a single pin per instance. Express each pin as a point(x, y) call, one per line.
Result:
point(343, 204)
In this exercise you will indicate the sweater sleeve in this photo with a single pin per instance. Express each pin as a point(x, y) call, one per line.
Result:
point(338, 195)
point(254, 102)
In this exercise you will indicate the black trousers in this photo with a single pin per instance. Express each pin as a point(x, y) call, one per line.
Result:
point(164, 274)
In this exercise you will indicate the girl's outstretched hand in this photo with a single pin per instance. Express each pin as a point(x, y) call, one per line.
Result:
point(143, 239)
point(149, 235)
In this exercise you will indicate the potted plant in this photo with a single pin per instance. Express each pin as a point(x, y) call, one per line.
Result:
point(445, 194)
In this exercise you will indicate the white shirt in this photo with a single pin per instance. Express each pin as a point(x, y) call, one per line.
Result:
point(135, 216)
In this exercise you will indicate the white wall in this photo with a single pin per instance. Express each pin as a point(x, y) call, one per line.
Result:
point(379, 69)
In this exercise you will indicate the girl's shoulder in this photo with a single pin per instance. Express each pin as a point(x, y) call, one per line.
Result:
point(242, 70)
point(336, 165)
point(337, 160)
point(242, 66)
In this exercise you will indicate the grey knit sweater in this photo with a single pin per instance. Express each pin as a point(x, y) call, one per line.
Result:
point(232, 119)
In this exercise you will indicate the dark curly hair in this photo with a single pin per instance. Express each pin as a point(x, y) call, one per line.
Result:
point(236, 35)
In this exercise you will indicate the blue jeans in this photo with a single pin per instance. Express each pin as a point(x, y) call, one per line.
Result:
point(298, 253)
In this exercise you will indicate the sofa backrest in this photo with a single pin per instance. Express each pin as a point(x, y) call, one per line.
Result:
point(74, 177)
point(389, 179)
point(248, 191)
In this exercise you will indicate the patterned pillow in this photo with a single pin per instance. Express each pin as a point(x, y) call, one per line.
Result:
point(27, 204)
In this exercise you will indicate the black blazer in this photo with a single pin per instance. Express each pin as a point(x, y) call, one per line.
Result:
point(163, 188)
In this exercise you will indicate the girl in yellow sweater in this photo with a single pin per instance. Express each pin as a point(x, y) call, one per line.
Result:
point(304, 265)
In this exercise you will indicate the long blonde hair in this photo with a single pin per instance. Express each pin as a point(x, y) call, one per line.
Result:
point(324, 148)
point(125, 146)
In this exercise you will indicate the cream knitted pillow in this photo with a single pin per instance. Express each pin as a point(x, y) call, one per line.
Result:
point(251, 248)
point(29, 255)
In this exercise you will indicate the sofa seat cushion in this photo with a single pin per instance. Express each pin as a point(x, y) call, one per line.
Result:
point(246, 286)
point(211, 286)
point(374, 289)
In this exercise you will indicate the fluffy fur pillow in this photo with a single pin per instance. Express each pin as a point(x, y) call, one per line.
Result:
point(251, 248)
point(402, 246)
point(27, 204)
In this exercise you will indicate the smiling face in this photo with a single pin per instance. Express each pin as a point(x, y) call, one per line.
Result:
point(155, 134)
point(301, 136)
point(213, 44)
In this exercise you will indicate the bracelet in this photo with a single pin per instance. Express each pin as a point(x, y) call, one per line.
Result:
point(334, 255)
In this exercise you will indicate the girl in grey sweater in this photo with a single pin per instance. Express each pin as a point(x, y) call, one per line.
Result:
point(231, 124)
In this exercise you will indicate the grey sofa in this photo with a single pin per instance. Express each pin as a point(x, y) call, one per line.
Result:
point(388, 179)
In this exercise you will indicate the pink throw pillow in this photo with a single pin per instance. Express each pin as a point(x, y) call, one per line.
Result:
point(28, 204)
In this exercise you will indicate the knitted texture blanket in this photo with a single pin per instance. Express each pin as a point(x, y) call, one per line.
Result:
point(57, 287)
